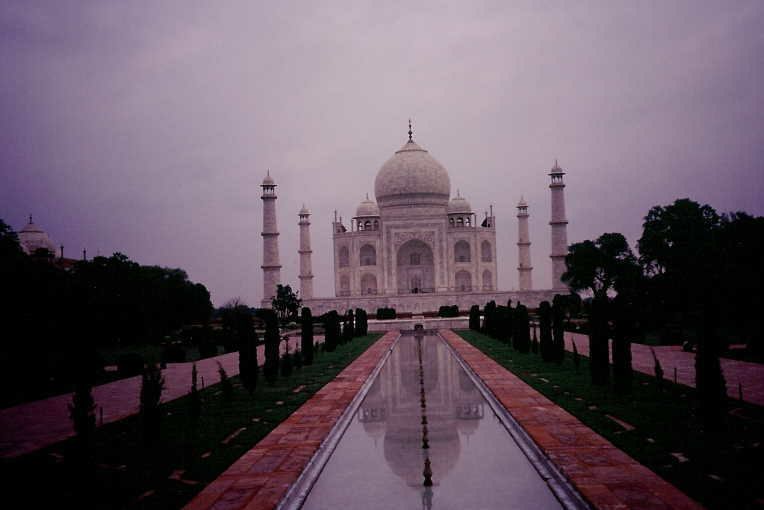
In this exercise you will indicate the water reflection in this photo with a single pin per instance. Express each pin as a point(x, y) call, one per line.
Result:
point(391, 411)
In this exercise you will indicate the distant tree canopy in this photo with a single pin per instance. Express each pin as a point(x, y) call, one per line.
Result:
point(602, 265)
point(286, 303)
point(51, 319)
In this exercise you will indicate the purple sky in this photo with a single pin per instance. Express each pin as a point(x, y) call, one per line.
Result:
point(146, 127)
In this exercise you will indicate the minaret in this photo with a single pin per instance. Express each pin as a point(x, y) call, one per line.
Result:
point(306, 268)
point(271, 266)
point(523, 247)
point(559, 227)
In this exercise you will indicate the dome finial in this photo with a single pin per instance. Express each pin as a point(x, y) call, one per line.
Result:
point(367, 195)
point(411, 133)
point(30, 219)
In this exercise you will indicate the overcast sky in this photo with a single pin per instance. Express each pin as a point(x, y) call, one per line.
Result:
point(147, 127)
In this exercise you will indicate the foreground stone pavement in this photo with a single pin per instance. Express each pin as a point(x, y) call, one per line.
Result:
point(604, 475)
point(750, 376)
point(29, 427)
point(262, 476)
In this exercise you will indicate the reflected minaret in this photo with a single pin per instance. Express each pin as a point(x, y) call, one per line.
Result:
point(559, 226)
point(524, 267)
point(271, 266)
point(306, 267)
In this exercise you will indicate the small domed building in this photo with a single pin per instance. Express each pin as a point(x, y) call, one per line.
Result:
point(415, 239)
point(33, 238)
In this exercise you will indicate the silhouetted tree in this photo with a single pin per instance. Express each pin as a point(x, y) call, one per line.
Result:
point(348, 327)
point(151, 393)
point(247, 339)
point(624, 328)
point(474, 322)
point(195, 400)
point(545, 325)
point(82, 414)
point(306, 339)
point(510, 321)
point(272, 339)
point(226, 387)
point(331, 330)
point(558, 328)
point(521, 336)
point(599, 362)
point(285, 303)
point(709, 379)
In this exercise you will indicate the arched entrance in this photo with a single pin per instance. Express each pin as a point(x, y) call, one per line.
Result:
point(415, 268)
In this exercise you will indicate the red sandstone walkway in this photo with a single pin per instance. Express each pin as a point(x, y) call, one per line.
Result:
point(28, 427)
point(603, 474)
point(750, 376)
point(262, 476)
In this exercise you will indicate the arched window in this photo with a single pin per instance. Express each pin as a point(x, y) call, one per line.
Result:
point(367, 225)
point(368, 284)
point(462, 251)
point(467, 222)
point(368, 255)
point(459, 221)
point(344, 257)
point(360, 226)
point(376, 224)
point(344, 285)
point(487, 280)
point(463, 281)
point(486, 254)
point(451, 221)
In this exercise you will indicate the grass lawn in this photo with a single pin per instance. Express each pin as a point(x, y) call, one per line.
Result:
point(666, 437)
point(127, 475)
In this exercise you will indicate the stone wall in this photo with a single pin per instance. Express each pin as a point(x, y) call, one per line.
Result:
point(420, 303)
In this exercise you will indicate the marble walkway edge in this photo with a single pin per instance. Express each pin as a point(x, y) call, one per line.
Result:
point(604, 475)
point(261, 477)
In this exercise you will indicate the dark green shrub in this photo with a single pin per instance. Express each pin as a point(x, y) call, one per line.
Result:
point(361, 322)
point(173, 353)
point(348, 327)
point(130, 364)
point(448, 311)
point(306, 338)
point(489, 319)
point(208, 350)
point(386, 313)
point(247, 337)
point(297, 360)
point(510, 327)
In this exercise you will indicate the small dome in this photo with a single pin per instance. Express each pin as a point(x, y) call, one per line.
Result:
point(412, 177)
point(268, 181)
point(32, 238)
point(522, 203)
point(304, 210)
point(459, 205)
point(367, 208)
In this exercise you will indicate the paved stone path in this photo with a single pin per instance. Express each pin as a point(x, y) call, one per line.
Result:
point(34, 425)
point(604, 475)
point(262, 476)
point(750, 376)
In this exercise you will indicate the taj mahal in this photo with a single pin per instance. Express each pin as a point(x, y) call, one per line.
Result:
point(416, 247)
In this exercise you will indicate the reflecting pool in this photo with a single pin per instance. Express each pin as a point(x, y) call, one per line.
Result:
point(379, 462)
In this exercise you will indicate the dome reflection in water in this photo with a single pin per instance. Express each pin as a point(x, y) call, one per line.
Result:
point(379, 461)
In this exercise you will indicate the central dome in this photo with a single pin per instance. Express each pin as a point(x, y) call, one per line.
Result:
point(412, 177)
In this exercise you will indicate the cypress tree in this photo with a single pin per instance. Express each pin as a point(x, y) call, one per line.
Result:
point(83, 416)
point(622, 374)
point(474, 322)
point(195, 402)
point(152, 385)
point(247, 337)
point(331, 331)
point(272, 340)
point(534, 342)
point(225, 383)
point(510, 321)
point(599, 363)
point(558, 329)
point(522, 335)
point(545, 325)
point(306, 339)
point(710, 383)
point(348, 330)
